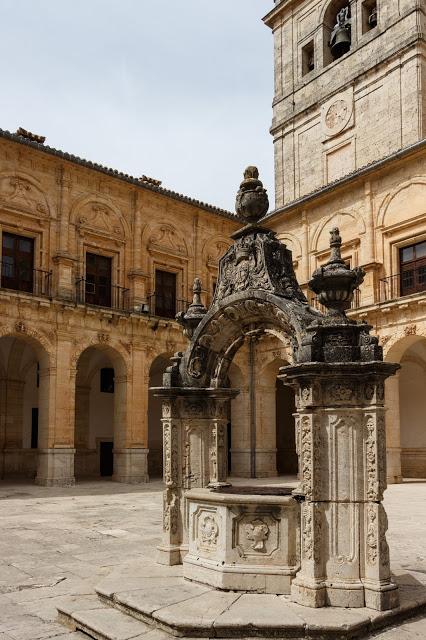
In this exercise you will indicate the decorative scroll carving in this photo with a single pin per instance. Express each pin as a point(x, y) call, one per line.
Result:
point(311, 532)
point(372, 541)
point(373, 487)
point(170, 436)
point(170, 512)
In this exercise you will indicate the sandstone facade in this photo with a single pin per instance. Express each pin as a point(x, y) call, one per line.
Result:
point(350, 153)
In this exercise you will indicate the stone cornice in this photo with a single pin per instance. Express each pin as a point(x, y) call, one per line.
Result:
point(402, 154)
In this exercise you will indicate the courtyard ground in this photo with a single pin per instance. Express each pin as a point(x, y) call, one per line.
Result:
point(60, 542)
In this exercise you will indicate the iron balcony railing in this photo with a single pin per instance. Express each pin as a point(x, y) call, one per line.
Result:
point(108, 296)
point(165, 306)
point(406, 283)
point(19, 277)
point(356, 302)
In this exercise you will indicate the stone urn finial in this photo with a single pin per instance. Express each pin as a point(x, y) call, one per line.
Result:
point(335, 282)
point(195, 313)
point(252, 199)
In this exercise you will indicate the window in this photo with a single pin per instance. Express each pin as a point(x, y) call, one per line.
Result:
point(107, 380)
point(308, 58)
point(413, 268)
point(369, 15)
point(165, 294)
point(98, 280)
point(17, 263)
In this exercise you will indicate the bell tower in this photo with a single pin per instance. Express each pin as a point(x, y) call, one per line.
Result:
point(350, 89)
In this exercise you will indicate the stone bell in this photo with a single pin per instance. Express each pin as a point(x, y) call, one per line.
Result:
point(340, 41)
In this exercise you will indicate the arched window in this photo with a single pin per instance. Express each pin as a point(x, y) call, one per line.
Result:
point(337, 32)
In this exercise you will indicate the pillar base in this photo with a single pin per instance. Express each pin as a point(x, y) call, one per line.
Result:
point(382, 599)
point(308, 594)
point(55, 468)
point(169, 555)
point(131, 466)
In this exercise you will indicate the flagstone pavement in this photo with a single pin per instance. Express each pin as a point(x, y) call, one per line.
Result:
point(55, 543)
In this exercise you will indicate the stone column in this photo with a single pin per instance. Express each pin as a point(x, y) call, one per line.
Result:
point(194, 423)
point(130, 451)
point(56, 420)
point(393, 430)
point(341, 440)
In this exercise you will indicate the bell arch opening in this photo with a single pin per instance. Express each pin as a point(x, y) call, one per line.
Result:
point(337, 31)
point(261, 430)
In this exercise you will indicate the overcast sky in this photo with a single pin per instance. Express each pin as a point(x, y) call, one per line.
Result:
point(179, 90)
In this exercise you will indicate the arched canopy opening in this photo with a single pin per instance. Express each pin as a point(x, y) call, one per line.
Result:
point(100, 410)
point(155, 432)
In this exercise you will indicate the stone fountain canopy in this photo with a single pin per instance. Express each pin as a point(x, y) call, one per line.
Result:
point(326, 543)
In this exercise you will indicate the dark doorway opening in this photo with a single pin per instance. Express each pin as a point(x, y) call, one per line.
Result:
point(106, 458)
point(34, 428)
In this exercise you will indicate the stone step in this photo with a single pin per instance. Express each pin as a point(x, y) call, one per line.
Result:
point(103, 622)
point(176, 607)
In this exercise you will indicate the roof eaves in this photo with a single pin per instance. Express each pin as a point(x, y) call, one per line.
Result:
point(114, 173)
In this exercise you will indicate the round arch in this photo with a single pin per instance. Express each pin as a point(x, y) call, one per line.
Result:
point(406, 422)
point(336, 219)
point(24, 400)
point(101, 415)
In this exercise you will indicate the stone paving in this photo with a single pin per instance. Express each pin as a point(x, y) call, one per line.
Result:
point(57, 544)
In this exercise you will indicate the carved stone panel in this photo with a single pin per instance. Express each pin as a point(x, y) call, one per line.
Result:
point(256, 534)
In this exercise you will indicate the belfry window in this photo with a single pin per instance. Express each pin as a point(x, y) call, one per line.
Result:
point(308, 58)
point(369, 15)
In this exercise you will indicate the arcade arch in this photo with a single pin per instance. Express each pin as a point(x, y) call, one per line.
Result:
point(100, 410)
point(406, 422)
point(24, 404)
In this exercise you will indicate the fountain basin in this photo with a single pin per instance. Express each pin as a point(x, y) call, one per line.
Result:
point(240, 541)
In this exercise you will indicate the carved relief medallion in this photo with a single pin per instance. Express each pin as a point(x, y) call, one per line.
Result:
point(257, 532)
point(208, 532)
point(336, 114)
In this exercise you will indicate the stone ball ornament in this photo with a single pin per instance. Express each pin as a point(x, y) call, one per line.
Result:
point(252, 199)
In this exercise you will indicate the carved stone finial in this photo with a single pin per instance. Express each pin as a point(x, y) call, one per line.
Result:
point(335, 245)
point(335, 282)
point(252, 199)
point(196, 289)
point(195, 313)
